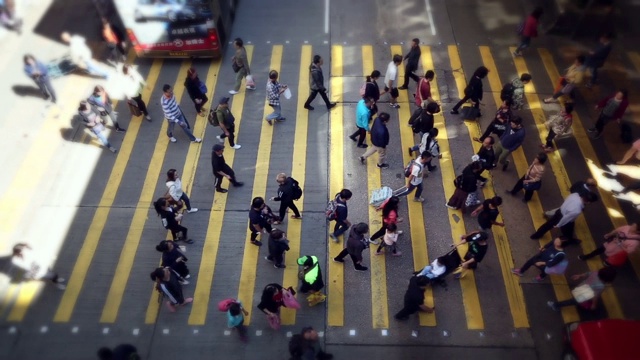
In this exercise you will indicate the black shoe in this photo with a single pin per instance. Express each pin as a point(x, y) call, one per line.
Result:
point(361, 268)
point(352, 138)
point(362, 159)
point(238, 184)
point(188, 241)
point(281, 119)
point(221, 190)
point(402, 87)
point(256, 242)
point(505, 166)
point(383, 166)
point(410, 152)
point(308, 107)
point(363, 146)
point(331, 106)
point(582, 257)
point(267, 258)
point(535, 237)
point(454, 112)
point(120, 130)
point(338, 260)
point(432, 168)
point(479, 115)
point(404, 318)
point(279, 266)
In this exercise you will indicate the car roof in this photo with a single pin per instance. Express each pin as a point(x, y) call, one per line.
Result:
point(606, 339)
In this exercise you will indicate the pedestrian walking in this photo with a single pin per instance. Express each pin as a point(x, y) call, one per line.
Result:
point(414, 298)
point(423, 92)
point(528, 29)
point(305, 346)
point(102, 102)
point(258, 220)
point(617, 246)
point(81, 55)
point(316, 84)
point(579, 187)
point(175, 259)
point(573, 77)
point(363, 115)
point(412, 59)
point(223, 118)
point(487, 157)
point(558, 124)
point(235, 319)
point(390, 240)
point(633, 151)
point(473, 91)
point(221, 169)
point(274, 90)
point(167, 283)
point(391, 81)
point(372, 91)
point(197, 91)
point(500, 122)
point(171, 220)
point(532, 180)
point(288, 191)
point(356, 244)
point(270, 302)
point(92, 120)
point(488, 212)
point(550, 255)
point(514, 91)
point(428, 143)
point(340, 214)
point(24, 258)
point(174, 115)
point(135, 88)
point(421, 121)
point(610, 107)
point(278, 244)
point(597, 57)
point(115, 39)
point(175, 194)
point(587, 294)
point(510, 141)
point(240, 64)
point(379, 140)
point(39, 73)
point(565, 216)
point(476, 250)
point(389, 217)
point(311, 276)
point(416, 177)
point(465, 183)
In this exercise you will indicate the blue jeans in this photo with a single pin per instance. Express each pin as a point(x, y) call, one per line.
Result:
point(184, 124)
point(276, 114)
point(102, 138)
point(95, 70)
point(340, 228)
point(409, 189)
point(186, 200)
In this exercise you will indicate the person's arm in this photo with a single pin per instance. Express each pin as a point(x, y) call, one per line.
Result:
point(317, 80)
point(173, 192)
point(426, 309)
point(627, 156)
point(477, 210)
point(245, 63)
point(621, 110)
point(465, 264)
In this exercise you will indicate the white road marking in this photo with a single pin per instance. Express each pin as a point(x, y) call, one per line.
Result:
point(165, 331)
point(414, 333)
point(326, 16)
point(74, 330)
point(227, 332)
point(258, 332)
point(289, 334)
point(384, 332)
point(13, 330)
point(352, 332)
point(44, 329)
point(135, 332)
point(105, 331)
point(195, 331)
point(430, 15)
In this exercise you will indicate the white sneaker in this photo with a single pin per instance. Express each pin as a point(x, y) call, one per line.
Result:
point(220, 139)
point(399, 232)
point(183, 282)
point(233, 92)
point(236, 146)
point(148, 117)
point(251, 87)
point(60, 279)
point(61, 286)
point(113, 150)
point(172, 139)
point(197, 140)
point(188, 276)
point(192, 210)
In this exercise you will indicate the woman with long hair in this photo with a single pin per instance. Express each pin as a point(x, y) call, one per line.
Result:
point(173, 258)
point(197, 91)
point(389, 216)
point(101, 100)
point(170, 220)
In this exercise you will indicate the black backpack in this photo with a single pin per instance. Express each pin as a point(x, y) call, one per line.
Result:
point(507, 92)
point(296, 190)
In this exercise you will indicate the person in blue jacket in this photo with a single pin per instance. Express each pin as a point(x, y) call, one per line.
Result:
point(363, 113)
point(510, 140)
point(40, 74)
point(379, 140)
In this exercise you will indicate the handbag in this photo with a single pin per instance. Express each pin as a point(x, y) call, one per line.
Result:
point(235, 66)
point(202, 87)
point(583, 293)
point(289, 299)
point(559, 268)
point(470, 113)
point(274, 321)
point(133, 108)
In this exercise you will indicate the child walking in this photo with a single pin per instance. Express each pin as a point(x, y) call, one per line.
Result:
point(278, 244)
point(235, 319)
point(389, 240)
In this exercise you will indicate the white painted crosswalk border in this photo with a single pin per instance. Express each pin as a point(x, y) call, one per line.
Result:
point(227, 333)
point(74, 330)
point(414, 333)
point(44, 329)
point(384, 332)
point(165, 331)
point(13, 330)
point(195, 331)
point(258, 332)
point(105, 331)
point(289, 334)
point(136, 332)
point(320, 333)
point(352, 332)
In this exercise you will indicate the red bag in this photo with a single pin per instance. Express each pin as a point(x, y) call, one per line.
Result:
point(225, 304)
point(618, 259)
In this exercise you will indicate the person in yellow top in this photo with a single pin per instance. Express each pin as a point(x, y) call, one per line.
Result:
point(573, 77)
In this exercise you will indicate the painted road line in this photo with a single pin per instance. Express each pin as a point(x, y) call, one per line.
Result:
point(335, 271)
point(130, 246)
point(202, 293)
point(470, 299)
point(8, 297)
point(298, 172)
point(251, 252)
point(378, 267)
point(78, 275)
point(188, 174)
point(582, 231)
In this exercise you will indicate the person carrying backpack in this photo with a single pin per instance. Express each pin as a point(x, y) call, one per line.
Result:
point(549, 255)
point(514, 91)
point(288, 191)
point(415, 175)
point(421, 120)
point(429, 143)
point(223, 118)
point(337, 211)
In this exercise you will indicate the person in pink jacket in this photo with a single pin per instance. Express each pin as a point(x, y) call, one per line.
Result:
point(529, 30)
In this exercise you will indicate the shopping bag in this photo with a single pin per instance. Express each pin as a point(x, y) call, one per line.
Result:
point(287, 93)
point(133, 107)
point(316, 298)
point(557, 269)
point(250, 81)
point(289, 299)
point(379, 196)
point(274, 321)
point(470, 113)
point(583, 293)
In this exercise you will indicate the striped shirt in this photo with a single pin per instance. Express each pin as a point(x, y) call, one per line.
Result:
point(170, 108)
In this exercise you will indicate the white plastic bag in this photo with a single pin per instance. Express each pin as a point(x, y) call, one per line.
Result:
point(287, 94)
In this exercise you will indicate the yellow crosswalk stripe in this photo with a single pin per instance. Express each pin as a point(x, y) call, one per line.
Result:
point(188, 173)
point(125, 262)
point(378, 267)
point(609, 298)
point(202, 293)
point(335, 271)
point(78, 275)
point(470, 297)
point(8, 297)
point(298, 172)
point(251, 252)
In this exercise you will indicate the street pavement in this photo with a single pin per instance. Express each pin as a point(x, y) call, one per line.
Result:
point(88, 212)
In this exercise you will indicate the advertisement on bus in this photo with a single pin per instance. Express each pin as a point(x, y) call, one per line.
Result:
point(170, 28)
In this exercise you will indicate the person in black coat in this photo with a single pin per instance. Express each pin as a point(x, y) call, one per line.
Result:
point(286, 196)
point(316, 84)
point(168, 284)
point(372, 91)
point(221, 169)
point(465, 184)
point(170, 220)
point(356, 244)
point(195, 90)
point(412, 59)
point(473, 91)
point(173, 258)
point(379, 140)
point(278, 244)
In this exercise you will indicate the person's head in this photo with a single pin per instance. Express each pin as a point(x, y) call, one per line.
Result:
point(391, 205)
point(433, 108)
point(165, 246)
point(160, 204)
point(317, 59)
point(488, 142)
point(276, 234)
point(362, 228)
point(477, 167)
point(345, 194)
point(157, 274)
point(415, 42)
point(238, 43)
point(65, 36)
point(98, 89)
point(429, 75)
point(281, 178)
point(218, 149)
point(375, 74)
point(309, 333)
point(506, 105)
point(433, 133)
point(541, 158)
point(496, 200)
point(397, 59)
point(525, 78)
point(621, 94)
point(425, 156)
point(579, 60)
point(589, 197)
point(172, 175)
point(568, 107)
point(257, 203)
point(104, 353)
point(224, 102)
point(367, 101)
point(192, 73)
point(481, 72)
point(392, 228)
point(84, 105)
point(167, 91)
point(537, 12)
point(29, 59)
point(273, 75)
point(234, 309)
point(607, 274)
point(384, 117)
point(591, 183)
point(516, 123)
point(17, 250)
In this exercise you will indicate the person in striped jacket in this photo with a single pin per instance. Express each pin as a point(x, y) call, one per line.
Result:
point(174, 115)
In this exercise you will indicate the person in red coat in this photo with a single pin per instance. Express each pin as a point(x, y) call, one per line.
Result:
point(611, 107)
point(529, 30)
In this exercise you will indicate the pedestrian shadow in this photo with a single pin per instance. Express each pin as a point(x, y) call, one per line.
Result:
point(27, 90)
point(74, 132)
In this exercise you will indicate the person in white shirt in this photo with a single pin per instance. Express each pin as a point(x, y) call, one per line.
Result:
point(389, 240)
point(23, 258)
point(81, 54)
point(175, 194)
point(566, 215)
point(134, 86)
point(415, 179)
point(391, 81)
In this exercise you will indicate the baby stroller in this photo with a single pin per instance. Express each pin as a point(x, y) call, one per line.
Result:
point(451, 261)
point(60, 67)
